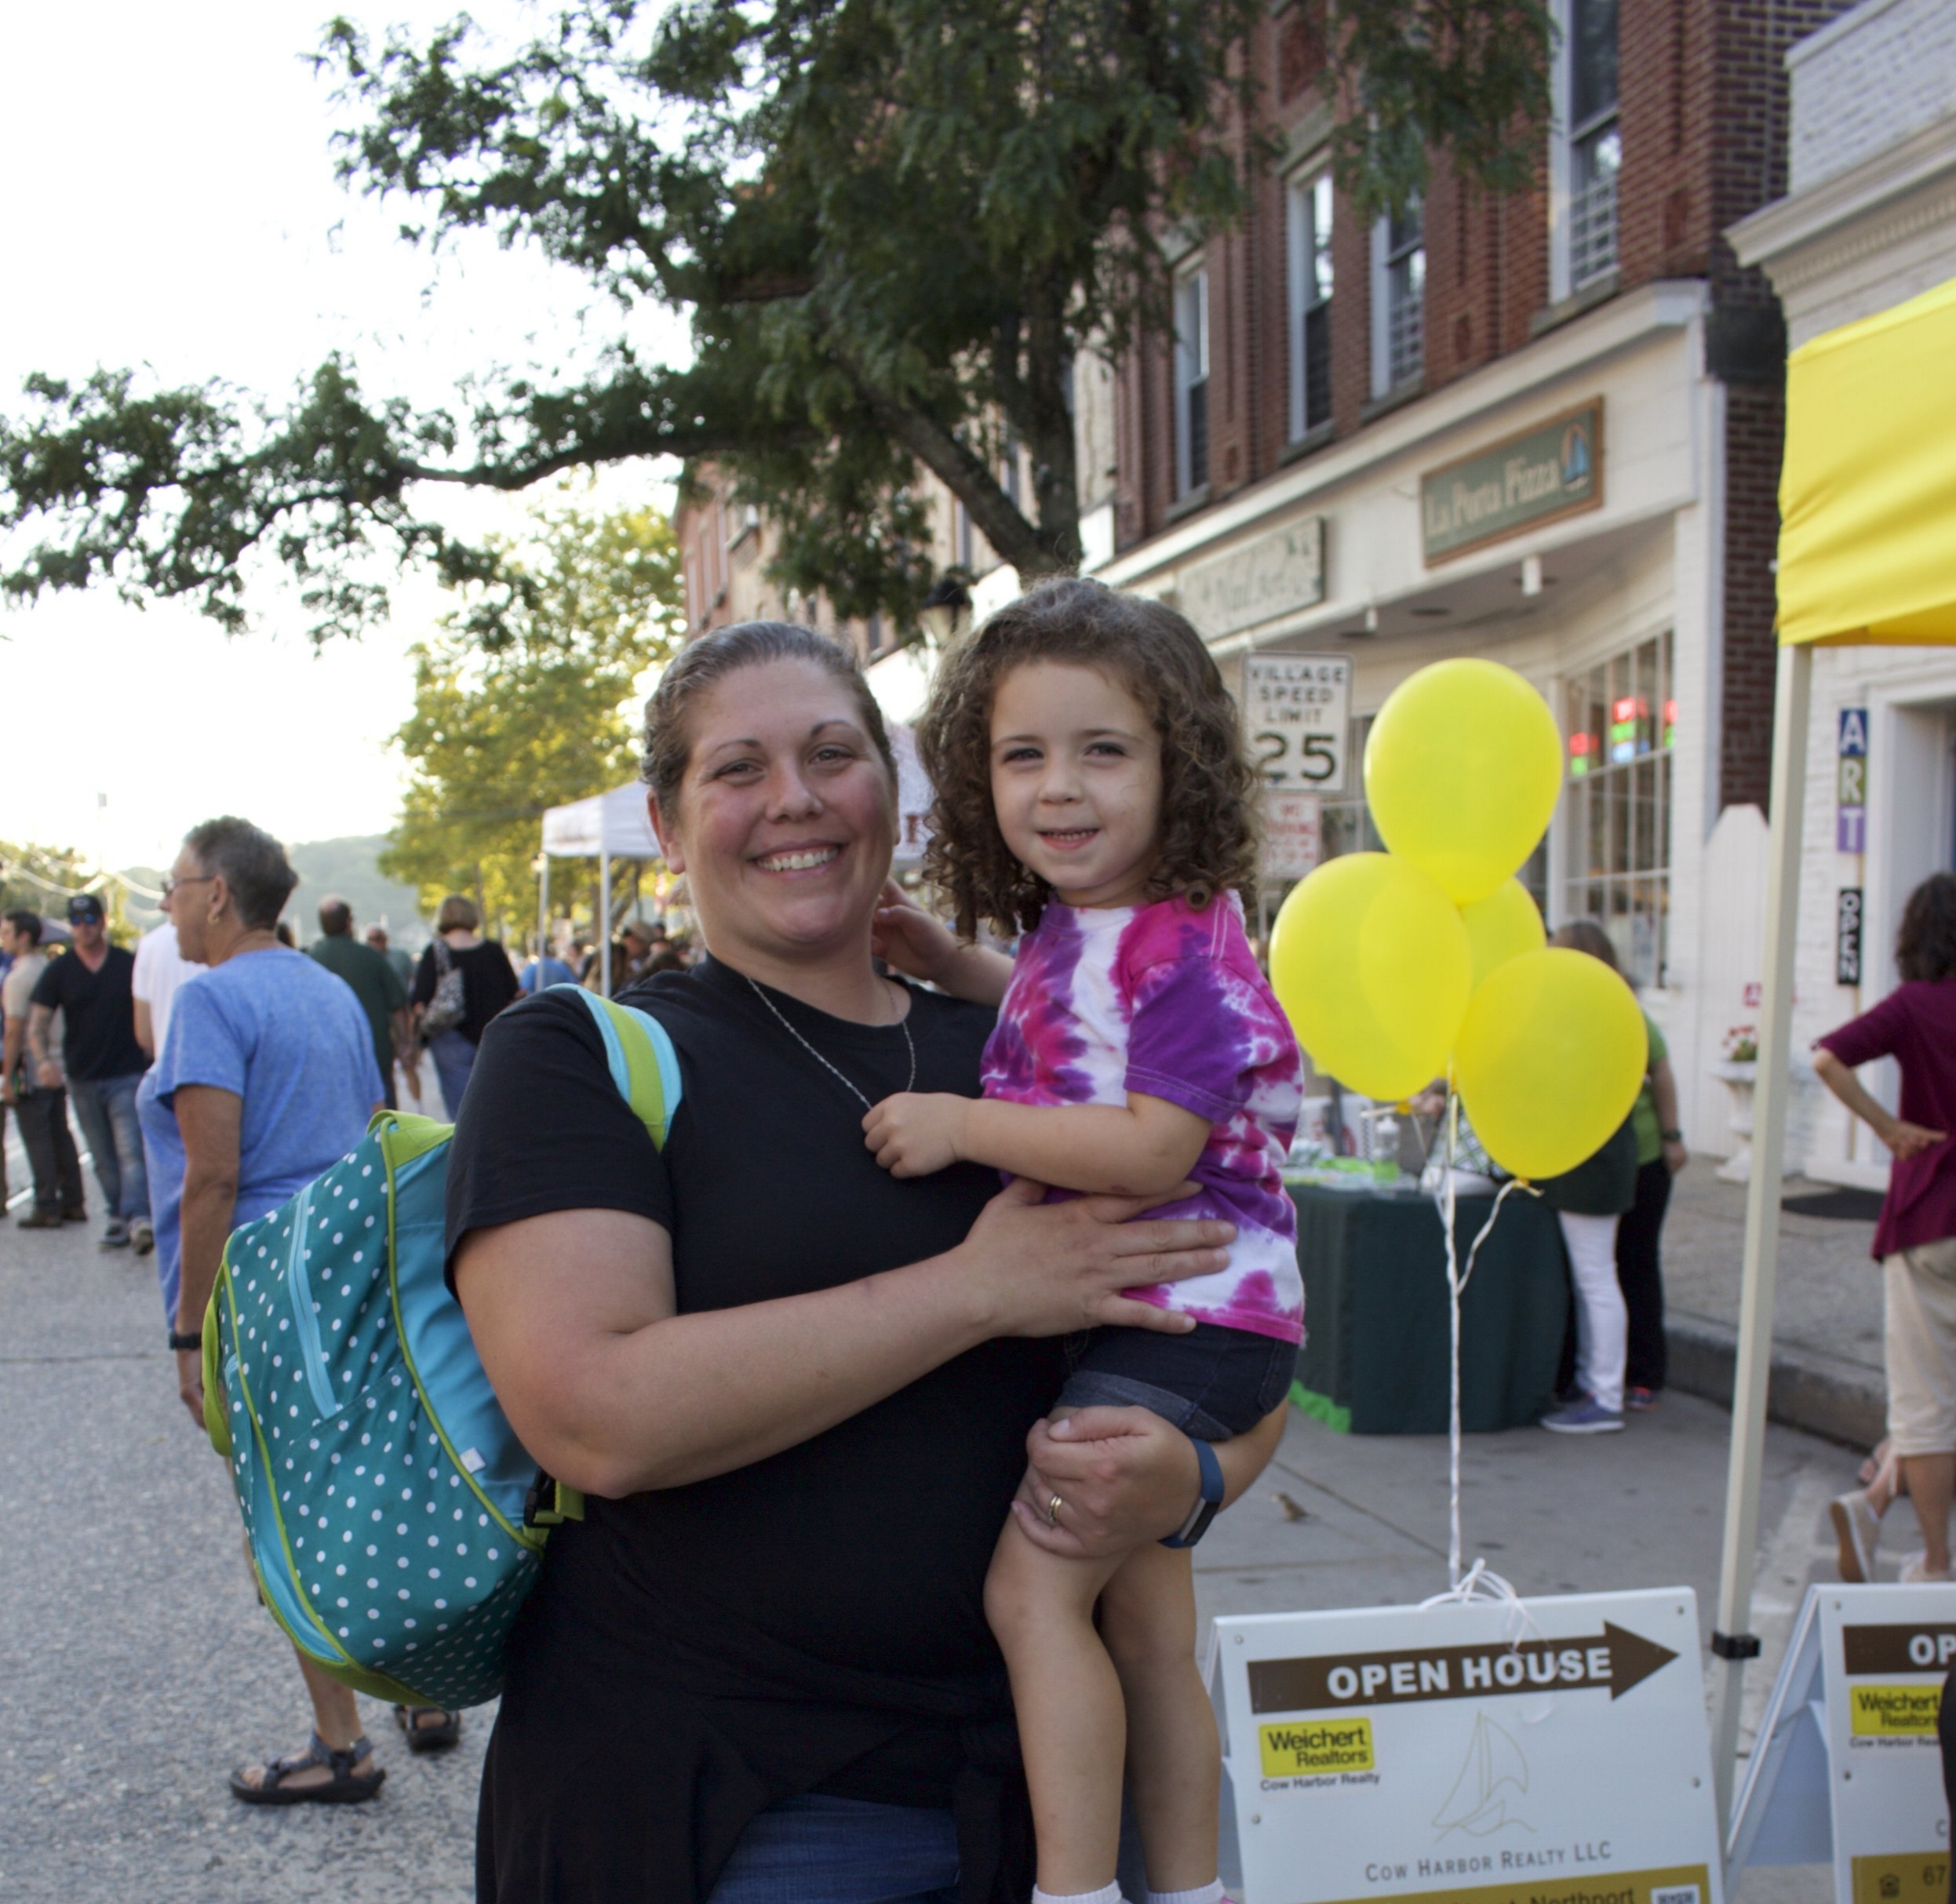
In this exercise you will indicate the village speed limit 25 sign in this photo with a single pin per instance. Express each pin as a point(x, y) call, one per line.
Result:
point(1297, 713)
point(1455, 1752)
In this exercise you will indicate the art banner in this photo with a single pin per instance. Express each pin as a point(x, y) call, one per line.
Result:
point(1550, 1751)
point(1847, 1768)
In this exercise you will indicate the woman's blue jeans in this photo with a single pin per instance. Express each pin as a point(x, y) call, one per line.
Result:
point(454, 1059)
point(813, 1850)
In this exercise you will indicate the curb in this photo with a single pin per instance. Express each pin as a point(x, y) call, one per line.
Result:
point(1824, 1395)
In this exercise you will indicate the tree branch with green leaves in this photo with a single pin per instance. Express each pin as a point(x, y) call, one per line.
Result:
point(891, 225)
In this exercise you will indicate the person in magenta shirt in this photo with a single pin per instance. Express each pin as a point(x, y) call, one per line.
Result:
point(1093, 794)
point(1915, 1239)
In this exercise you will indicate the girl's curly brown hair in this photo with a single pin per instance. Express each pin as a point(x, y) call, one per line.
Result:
point(1208, 815)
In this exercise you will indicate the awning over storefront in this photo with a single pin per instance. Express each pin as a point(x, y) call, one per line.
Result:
point(1867, 554)
point(613, 825)
point(1867, 493)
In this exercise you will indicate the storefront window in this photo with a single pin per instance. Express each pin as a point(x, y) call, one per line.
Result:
point(1620, 719)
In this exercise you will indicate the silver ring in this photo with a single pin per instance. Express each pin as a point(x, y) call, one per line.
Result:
point(1052, 1510)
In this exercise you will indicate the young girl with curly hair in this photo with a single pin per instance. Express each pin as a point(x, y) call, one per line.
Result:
point(1092, 794)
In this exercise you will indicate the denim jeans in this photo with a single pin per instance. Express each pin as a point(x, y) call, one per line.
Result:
point(813, 1850)
point(454, 1059)
point(106, 1110)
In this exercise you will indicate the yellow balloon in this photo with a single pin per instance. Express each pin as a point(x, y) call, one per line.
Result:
point(1372, 963)
point(1462, 767)
point(1502, 927)
point(1549, 1060)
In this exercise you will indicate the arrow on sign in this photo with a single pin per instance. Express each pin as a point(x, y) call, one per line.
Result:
point(1616, 1659)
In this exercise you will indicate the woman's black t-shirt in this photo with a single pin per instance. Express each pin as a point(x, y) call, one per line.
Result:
point(488, 985)
point(813, 1621)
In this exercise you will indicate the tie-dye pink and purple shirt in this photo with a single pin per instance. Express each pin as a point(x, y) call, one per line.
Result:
point(1168, 1001)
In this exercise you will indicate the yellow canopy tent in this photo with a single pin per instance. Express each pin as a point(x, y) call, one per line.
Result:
point(1868, 553)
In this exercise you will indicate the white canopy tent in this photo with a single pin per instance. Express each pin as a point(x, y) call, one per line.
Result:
point(617, 825)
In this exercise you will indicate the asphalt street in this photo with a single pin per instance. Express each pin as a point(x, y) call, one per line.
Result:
point(138, 1669)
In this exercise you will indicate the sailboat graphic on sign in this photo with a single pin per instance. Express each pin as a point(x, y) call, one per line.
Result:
point(1494, 1773)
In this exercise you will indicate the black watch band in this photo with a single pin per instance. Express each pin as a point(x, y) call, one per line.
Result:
point(1210, 1503)
point(179, 1340)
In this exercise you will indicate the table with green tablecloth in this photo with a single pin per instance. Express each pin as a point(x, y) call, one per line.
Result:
point(1375, 1272)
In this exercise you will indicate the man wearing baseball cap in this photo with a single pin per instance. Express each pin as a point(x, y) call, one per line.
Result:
point(91, 987)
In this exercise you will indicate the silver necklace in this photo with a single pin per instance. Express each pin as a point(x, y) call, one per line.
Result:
point(904, 1021)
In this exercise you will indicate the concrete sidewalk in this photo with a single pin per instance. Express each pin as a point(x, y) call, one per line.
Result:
point(1826, 1364)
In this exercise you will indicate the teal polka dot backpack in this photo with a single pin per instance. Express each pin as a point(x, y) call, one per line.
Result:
point(394, 1519)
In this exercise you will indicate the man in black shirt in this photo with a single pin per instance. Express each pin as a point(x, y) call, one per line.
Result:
point(91, 987)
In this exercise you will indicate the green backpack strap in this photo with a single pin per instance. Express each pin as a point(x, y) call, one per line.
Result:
point(643, 1065)
point(646, 1069)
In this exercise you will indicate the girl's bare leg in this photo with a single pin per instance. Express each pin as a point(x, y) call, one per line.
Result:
point(1174, 1759)
point(1071, 1725)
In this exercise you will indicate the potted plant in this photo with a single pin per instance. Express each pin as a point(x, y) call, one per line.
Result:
point(1738, 1069)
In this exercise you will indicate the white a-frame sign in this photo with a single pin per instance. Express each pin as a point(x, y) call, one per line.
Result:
point(1476, 1753)
point(1847, 1768)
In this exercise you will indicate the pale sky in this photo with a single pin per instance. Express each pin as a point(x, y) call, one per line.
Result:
point(170, 203)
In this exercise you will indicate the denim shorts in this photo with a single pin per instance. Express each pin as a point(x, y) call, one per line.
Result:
point(1213, 1384)
point(818, 1850)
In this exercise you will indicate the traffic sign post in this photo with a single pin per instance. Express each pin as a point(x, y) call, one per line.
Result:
point(1847, 1767)
point(1536, 1751)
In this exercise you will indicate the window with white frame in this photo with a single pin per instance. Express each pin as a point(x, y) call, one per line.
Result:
point(1621, 720)
point(1593, 143)
point(1399, 298)
point(1192, 380)
point(1310, 299)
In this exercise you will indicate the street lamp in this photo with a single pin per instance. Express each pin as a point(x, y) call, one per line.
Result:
point(942, 609)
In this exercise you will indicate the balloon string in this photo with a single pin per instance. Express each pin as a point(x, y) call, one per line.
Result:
point(1457, 1281)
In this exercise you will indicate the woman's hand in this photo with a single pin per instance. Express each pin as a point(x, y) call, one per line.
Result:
point(1906, 1139)
point(1676, 1156)
point(1040, 1268)
point(1124, 1477)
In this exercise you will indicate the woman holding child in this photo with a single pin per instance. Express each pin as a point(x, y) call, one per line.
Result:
point(799, 1386)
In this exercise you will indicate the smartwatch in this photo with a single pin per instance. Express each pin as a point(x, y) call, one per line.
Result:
point(1208, 1506)
point(178, 1339)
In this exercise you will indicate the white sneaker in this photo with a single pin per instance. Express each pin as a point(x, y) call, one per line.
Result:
point(1915, 1571)
point(1856, 1529)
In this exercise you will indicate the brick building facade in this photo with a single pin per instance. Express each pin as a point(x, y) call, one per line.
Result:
point(1326, 382)
point(1702, 114)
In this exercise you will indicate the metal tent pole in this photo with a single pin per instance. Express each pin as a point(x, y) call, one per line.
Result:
point(1732, 1641)
point(543, 910)
point(604, 922)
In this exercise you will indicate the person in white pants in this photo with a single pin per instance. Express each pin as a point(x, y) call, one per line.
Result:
point(1589, 1202)
point(1602, 1322)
